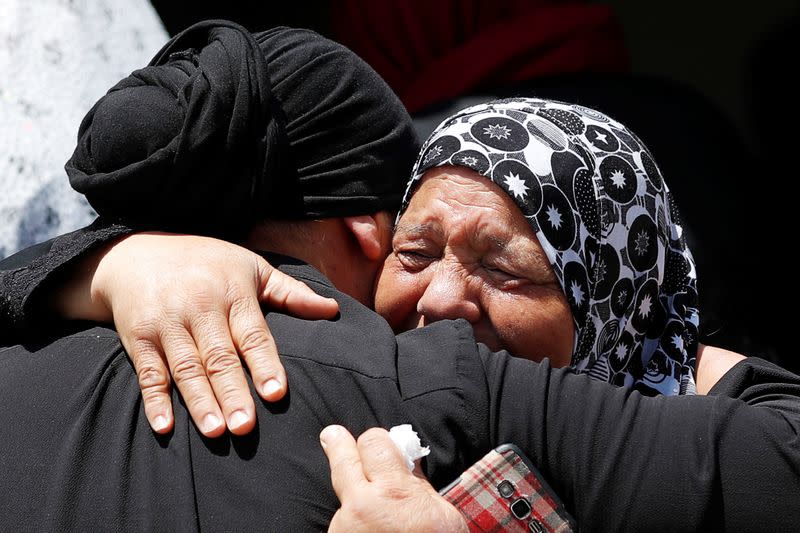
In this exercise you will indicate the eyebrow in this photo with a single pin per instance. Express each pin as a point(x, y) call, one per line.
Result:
point(535, 258)
point(498, 244)
point(415, 230)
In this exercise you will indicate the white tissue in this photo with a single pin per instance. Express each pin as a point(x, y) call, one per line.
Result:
point(408, 442)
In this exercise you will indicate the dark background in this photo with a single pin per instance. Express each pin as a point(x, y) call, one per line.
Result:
point(708, 90)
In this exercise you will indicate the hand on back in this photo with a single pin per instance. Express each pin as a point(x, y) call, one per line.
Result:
point(187, 310)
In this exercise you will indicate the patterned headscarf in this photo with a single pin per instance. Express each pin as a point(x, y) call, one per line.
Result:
point(596, 200)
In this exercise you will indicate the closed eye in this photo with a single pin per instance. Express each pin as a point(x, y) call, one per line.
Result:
point(414, 259)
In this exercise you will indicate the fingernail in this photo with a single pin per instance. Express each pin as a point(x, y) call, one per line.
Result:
point(271, 387)
point(238, 419)
point(160, 423)
point(210, 423)
point(329, 434)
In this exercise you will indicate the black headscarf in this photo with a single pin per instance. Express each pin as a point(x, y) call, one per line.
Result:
point(225, 127)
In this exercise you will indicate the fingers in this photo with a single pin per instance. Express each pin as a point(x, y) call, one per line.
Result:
point(344, 460)
point(153, 377)
point(190, 378)
point(223, 369)
point(256, 345)
point(380, 456)
point(285, 293)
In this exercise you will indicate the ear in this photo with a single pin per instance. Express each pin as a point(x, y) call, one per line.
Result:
point(372, 232)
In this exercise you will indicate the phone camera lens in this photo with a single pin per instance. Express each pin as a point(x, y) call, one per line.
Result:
point(521, 508)
point(506, 489)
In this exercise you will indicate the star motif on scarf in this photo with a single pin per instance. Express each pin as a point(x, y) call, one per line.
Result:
point(602, 137)
point(469, 160)
point(434, 152)
point(645, 305)
point(621, 351)
point(497, 131)
point(677, 341)
point(641, 243)
point(601, 270)
point(618, 179)
point(623, 294)
point(577, 293)
point(554, 217)
point(516, 185)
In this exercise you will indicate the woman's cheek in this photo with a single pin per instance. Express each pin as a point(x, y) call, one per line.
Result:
point(397, 294)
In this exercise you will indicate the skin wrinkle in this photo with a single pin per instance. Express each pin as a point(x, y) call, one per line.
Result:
point(471, 254)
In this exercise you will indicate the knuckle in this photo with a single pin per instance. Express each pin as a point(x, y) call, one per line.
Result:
point(235, 294)
point(252, 338)
point(186, 369)
point(356, 511)
point(143, 332)
point(221, 360)
point(152, 378)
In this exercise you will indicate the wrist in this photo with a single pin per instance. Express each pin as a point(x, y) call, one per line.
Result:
point(79, 296)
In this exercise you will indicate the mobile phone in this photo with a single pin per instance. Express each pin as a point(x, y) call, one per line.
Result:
point(505, 492)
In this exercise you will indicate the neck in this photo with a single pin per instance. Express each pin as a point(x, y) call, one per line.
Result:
point(327, 245)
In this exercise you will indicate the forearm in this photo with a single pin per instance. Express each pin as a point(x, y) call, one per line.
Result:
point(624, 461)
point(27, 277)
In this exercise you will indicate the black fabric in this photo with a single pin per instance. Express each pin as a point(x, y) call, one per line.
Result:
point(348, 151)
point(225, 127)
point(78, 453)
point(27, 276)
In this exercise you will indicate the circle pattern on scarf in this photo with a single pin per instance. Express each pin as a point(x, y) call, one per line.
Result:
point(606, 270)
point(642, 245)
point(586, 202)
point(619, 179)
point(576, 282)
point(556, 218)
point(644, 306)
point(651, 170)
point(472, 159)
point(501, 133)
point(568, 121)
point(602, 138)
point(619, 357)
point(607, 222)
point(520, 183)
point(440, 151)
point(621, 296)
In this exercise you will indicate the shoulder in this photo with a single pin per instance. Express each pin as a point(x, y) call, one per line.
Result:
point(712, 364)
point(358, 339)
point(436, 357)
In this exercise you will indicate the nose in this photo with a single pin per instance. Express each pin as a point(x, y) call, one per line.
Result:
point(448, 296)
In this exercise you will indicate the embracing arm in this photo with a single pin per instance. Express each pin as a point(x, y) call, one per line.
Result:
point(27, 276)
point(182, 304)
point(621, 460)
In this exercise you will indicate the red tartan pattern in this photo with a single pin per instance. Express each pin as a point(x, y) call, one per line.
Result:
point(476, 495)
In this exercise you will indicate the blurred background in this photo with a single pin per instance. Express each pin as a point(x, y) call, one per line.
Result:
point(704, 84)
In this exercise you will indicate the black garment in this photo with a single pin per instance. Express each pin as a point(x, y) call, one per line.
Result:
point(28, 274)
point(78, 452)
point(224, 127)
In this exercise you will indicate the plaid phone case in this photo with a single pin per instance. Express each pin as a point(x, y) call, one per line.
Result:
point(504, 492)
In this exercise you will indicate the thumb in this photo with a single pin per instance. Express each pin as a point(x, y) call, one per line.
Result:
point(345, 462)
point(283, 292)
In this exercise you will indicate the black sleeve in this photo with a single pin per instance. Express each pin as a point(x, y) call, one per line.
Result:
point(27, 274)
point(623, 461)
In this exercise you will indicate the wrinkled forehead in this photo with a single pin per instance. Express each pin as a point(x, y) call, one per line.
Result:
point(453, 197)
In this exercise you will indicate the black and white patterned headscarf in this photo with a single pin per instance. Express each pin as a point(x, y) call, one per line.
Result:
point(607, 222)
